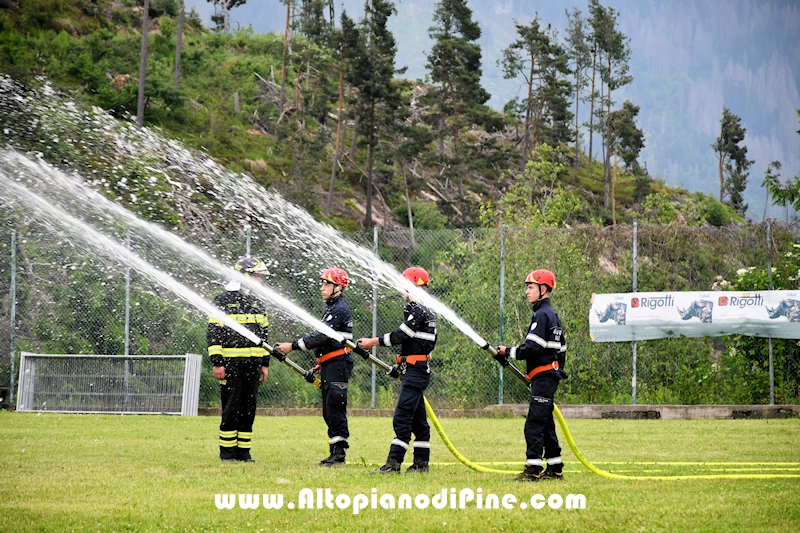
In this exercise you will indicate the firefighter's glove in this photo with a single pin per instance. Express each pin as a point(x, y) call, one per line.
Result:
point(502, 359)
point(277, 354)
point(309, 376)
point(394, 372)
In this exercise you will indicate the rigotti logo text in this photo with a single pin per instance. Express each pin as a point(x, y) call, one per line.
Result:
point(653, 303)
point(745, 301)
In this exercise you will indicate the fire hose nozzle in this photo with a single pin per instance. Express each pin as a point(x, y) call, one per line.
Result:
point(275, 352)
point(491, 349)
point(357, 349)
point(311, 378)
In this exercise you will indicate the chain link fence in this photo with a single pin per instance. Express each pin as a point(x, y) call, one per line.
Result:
point(70, 300)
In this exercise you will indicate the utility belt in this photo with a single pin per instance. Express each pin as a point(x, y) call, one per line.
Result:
point(410, 359)
point(540, 369)
point(330, 355)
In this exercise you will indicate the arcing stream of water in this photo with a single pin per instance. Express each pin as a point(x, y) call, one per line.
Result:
point(22, 192)
point(166, 161)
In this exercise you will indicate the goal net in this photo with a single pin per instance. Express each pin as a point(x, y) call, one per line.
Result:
point(136, 384)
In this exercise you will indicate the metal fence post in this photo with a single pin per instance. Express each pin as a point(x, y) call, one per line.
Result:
point(502, 307)
point(127, 322)
point(247, 229)
point(769, 286)
point(374, 311)
point(633, 284)
point(11, 401)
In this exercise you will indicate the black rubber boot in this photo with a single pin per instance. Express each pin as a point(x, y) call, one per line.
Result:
point(531, 473)
point(392, 466)
point(337, 456)
point(243, 455)
point(554, 472)
point(419, 466)
point(227, 454)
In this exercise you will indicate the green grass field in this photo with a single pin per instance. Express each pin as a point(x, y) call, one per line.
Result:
point(153, 473)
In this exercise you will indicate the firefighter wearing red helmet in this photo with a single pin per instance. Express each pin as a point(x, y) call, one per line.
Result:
point(240, 364)
point(334, 362)
point(544, 350)
point(417, 276)
point(417, 338)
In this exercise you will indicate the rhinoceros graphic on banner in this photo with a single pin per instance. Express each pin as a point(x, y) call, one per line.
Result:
point(699, 308)
point(615, 311)
point(788, 308)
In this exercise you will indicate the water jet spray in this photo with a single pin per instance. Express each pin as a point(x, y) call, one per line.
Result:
point(107, 246)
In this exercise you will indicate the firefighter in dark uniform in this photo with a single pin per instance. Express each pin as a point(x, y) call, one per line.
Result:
point(239, 364)
point(334, 362)
point(545, 351)
point(417, 337)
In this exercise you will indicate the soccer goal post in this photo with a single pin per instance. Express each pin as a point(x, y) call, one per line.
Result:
point(135, 384)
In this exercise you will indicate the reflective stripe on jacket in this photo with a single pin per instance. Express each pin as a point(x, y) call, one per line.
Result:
point(545, 341)
point(417, 333)
point(225, 343)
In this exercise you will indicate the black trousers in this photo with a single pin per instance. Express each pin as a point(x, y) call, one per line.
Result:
point(540, 428)
point(238, 395)
point(410, 416)
point(335, 375)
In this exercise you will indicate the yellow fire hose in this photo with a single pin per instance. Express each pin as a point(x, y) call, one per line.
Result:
point(567, 435)
point(563, 424)
point(602, 473)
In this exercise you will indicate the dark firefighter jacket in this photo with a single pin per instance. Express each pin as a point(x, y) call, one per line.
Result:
point(545, 342)
point(338, 317)
point(417, 333)
point(223, 342)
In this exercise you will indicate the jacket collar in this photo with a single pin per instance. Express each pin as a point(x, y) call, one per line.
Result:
point(333, 299)
point(540, 303)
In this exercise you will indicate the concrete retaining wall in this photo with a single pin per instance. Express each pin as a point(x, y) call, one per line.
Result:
point(664, 412)
point(636, 412)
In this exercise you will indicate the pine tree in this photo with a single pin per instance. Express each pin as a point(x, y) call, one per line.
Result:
point(627, 140)
point(347, 47)
point(313, 23)
point(222, 18)
point(614, 52)
point(454, 62)
point(732, 160)
point(579, 53)
point(179, 46)
point(537, 57)
point(372, 75)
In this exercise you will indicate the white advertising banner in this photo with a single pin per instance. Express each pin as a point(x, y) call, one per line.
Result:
point(655, 315)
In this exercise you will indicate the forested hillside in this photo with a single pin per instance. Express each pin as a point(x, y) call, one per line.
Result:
point(327, 120)
point(688, 60)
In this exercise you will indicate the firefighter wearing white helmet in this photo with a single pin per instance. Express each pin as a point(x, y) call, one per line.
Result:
point(544, 350)
point(417, 338)
point(239, 364)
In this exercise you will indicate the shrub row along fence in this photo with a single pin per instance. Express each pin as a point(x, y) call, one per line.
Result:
point(69, 300)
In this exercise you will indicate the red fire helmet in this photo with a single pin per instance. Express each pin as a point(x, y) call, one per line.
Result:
point(336, 276)
point(416, 275)
point(542, 277)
